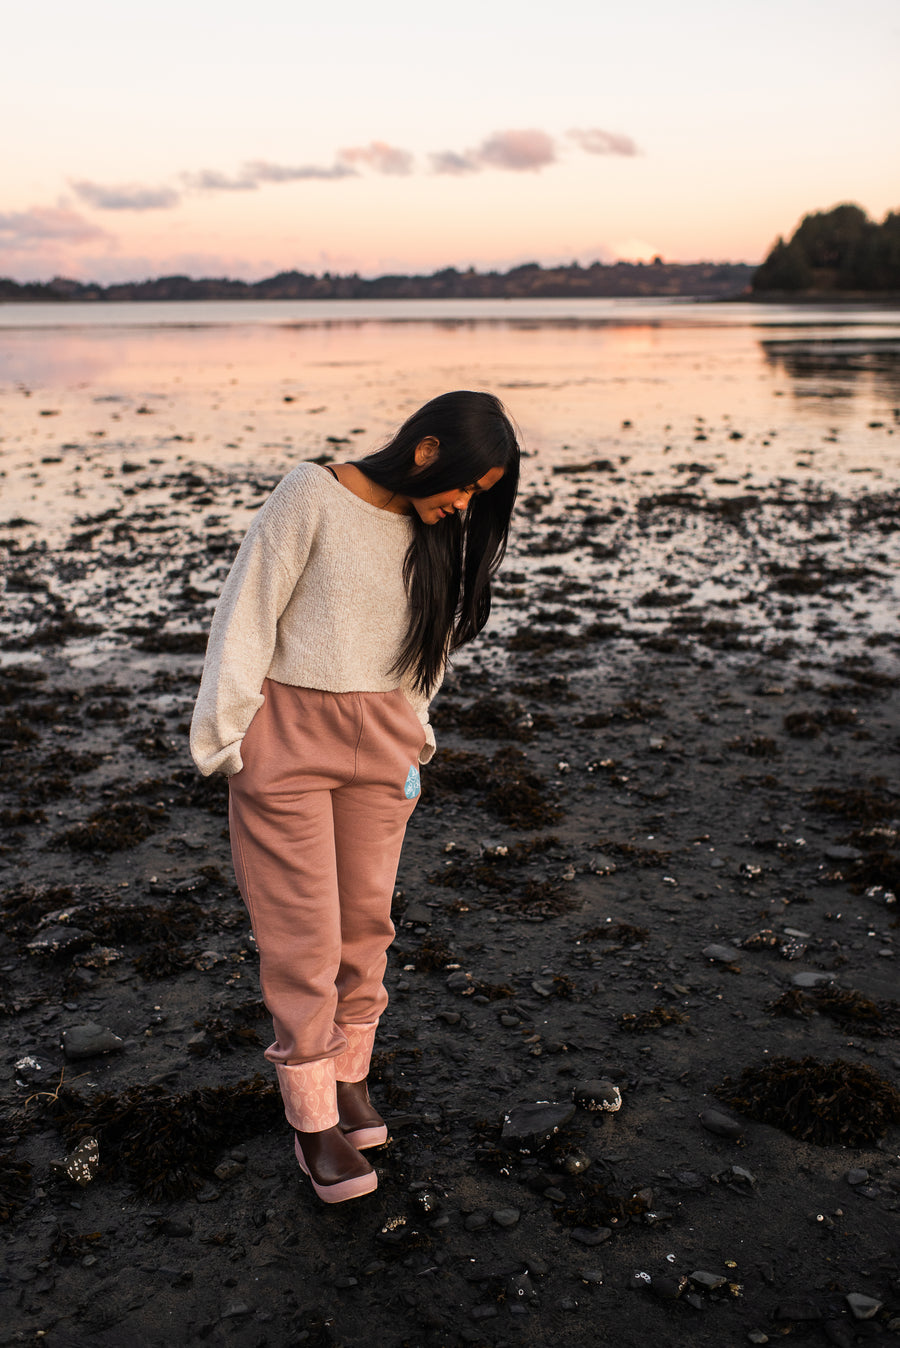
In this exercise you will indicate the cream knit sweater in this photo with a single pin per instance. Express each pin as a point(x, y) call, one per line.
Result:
point(315, 599)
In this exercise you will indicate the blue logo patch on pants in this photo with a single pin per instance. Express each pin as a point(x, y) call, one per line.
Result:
point(413, 784)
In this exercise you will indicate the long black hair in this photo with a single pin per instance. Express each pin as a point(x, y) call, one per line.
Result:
point(449, 565)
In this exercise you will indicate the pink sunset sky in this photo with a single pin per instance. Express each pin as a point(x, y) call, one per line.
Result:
point(223, 139)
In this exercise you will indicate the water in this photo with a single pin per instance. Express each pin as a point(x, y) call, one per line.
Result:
point(762, 389)
point(132, 435)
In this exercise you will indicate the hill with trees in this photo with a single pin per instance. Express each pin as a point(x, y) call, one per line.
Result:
point(839, 252)
point(700, 280)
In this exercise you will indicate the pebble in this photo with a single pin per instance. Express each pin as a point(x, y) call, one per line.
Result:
point(590, 1235)
point(53, 940)
point(476, 1221)
point(228, 1170)
point(598, 1095)
point(757, 1336)
point(810, 980)
point(722, 954)
point(843, 854)
point(856, 1176)
point(30, 1070)
point(208, 959)
point(669, 1286)
point(449, 1017)
point(521, 1288)
point(458, 981)
point(862, 1307)
point(576, 1162)
point(568, 1304)
point(531, 1124)
point(708, 1281)
point(89, 1041)
point(720, 1124)
point(234, 1309)
point(506, 1217)
point(593, 1276)
point(83, 1162)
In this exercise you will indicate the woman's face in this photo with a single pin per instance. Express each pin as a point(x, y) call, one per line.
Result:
point(433, 509)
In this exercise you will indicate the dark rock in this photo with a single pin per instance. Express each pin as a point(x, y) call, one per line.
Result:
point(529, 1125)
point(55, 940)
point(722, 954)
point(521, 1288)
point(506, 1217)
point(714, 1121)
point(598, 1095)
point(810, 980)
point(31, 1070)
point(668, 1286)
point(862, 1307)
point(586, 1235)
point(89, 1041)
point(707, 1281)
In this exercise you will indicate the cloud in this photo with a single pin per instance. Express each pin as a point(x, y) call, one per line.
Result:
point(126, 197)
point(210, 180)
point(262, 172)
point(596, 141)
point(448, 161)
point(382, 158)
point(33, 228)
point(520, 151)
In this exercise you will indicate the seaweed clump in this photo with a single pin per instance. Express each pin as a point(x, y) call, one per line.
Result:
point(829, 1104)
point(507, 787)
point(847, 1007)
point(623, 933)
point(517, 795)
point(433, 955)
point(117, 826)
point(858, 804)
point(15, 1186)
point(654, 1019)
point(167, 1144)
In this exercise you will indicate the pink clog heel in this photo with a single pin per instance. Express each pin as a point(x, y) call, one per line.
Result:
point(355, 1187)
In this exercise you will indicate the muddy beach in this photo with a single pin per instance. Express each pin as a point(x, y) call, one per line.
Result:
point(641, 1058)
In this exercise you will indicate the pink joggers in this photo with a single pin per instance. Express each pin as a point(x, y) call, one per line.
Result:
point(317, 817)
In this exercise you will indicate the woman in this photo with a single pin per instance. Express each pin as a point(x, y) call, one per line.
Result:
point(351, 588)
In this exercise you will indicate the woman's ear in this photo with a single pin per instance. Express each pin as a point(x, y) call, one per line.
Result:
point(426, 451)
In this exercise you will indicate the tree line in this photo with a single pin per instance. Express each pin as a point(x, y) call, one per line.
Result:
point(699, 280)
point(834, 251)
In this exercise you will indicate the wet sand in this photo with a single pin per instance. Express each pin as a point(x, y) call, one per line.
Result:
point(657, 849)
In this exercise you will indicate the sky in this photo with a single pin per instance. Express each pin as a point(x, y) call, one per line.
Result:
point(220, 138)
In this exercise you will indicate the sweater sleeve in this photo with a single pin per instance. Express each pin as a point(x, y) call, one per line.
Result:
point(420, 705)
point(244, 630)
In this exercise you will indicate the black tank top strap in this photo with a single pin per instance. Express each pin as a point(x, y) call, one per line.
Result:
point(330, 470)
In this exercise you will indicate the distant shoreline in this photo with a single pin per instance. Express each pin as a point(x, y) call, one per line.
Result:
point(621, 280)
